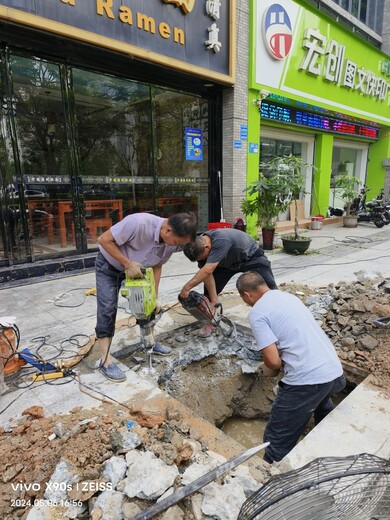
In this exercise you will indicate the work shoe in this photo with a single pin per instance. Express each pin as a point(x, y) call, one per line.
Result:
point(206, 330)
point(112, 372)
point(161, 350)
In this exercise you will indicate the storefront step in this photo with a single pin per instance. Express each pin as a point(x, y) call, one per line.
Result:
point(287, 225)
point(25, 273)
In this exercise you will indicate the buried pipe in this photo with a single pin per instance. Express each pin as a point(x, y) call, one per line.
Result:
point(199, 483)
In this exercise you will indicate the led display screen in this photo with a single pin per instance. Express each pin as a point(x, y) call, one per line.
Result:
point(296, 116)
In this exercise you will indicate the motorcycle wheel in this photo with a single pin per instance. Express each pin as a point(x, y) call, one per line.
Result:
point(379, 223)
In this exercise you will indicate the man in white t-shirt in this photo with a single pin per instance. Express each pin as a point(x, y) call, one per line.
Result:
point(290, 338)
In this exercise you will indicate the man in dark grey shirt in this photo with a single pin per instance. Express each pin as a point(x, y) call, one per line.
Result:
point(221, 254)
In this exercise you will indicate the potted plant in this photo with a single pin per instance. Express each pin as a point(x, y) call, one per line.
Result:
point(294, 184)
point(267, 197)
point(347, 187)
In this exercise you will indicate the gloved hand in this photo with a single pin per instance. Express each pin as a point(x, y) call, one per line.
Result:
point(133, 270)
point(158, 307)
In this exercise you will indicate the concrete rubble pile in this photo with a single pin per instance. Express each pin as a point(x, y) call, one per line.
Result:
point(112, 465)
point(347, 313)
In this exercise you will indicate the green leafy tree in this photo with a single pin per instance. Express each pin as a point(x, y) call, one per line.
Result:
point(280, 182)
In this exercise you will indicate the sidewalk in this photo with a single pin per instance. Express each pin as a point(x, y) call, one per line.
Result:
point(58, 309)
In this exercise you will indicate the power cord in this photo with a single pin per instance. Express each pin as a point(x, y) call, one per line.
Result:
point(66, 293)
point(332, 264)
point(350, 239)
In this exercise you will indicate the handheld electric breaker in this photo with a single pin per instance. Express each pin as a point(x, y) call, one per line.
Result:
point(200, 308)
point(141, 295)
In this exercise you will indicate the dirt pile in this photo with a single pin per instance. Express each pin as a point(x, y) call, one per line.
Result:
point(31, 449)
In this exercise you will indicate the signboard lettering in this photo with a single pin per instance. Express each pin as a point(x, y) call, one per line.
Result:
point(337, 69)
point(186, 5)
point(169, 35)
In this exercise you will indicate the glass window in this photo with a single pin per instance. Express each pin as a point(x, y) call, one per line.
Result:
point(115, 147)
point(43, 154)
point(355, 8)
point(270, 148)
point(114, 138)
point(369, 12)
point(182, 168)
point(363, 11)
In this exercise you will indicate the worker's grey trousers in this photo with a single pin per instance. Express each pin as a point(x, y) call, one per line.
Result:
point(291, 411)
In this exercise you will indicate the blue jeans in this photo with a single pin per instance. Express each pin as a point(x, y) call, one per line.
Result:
point(291, 411)
point(108, 282)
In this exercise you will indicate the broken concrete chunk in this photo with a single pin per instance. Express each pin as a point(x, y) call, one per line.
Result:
point(123, 439)
point(147, 476)
point(358, 306)
point(110, 505)
point(223, 502)
point(367, 343)
point(130, 510)
point(348, 342)
point(59, 430)
point(173, 513)
point(115, 470)
point(63, 477)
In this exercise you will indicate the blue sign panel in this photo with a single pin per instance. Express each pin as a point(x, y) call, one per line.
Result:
point(237, 144)
point(253, 148)
point(193, 144)
point(177, 33)
point(244, 132)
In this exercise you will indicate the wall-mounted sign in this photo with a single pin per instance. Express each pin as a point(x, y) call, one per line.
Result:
point(244, 132)
point(253, 148)
point(193, 144)
point(295, 116)
point(176, 33)
point(277, 31)
point(327, 66)
point(237, 144)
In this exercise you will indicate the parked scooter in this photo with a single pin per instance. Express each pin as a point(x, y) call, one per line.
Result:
point(368, 211)
point(385, 204)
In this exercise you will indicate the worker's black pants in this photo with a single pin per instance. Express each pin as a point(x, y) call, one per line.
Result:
point(291, 411)
point(108, 283)
point(258, 263)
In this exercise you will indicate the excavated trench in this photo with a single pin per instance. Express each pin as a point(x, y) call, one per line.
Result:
point(218, 378)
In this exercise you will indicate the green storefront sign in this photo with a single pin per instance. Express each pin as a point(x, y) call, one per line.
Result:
point(311, 76)
point(325, 65)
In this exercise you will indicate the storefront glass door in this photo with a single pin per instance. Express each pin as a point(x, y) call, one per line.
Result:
point(40, 179)
point(270, 148)
point(81, 150)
